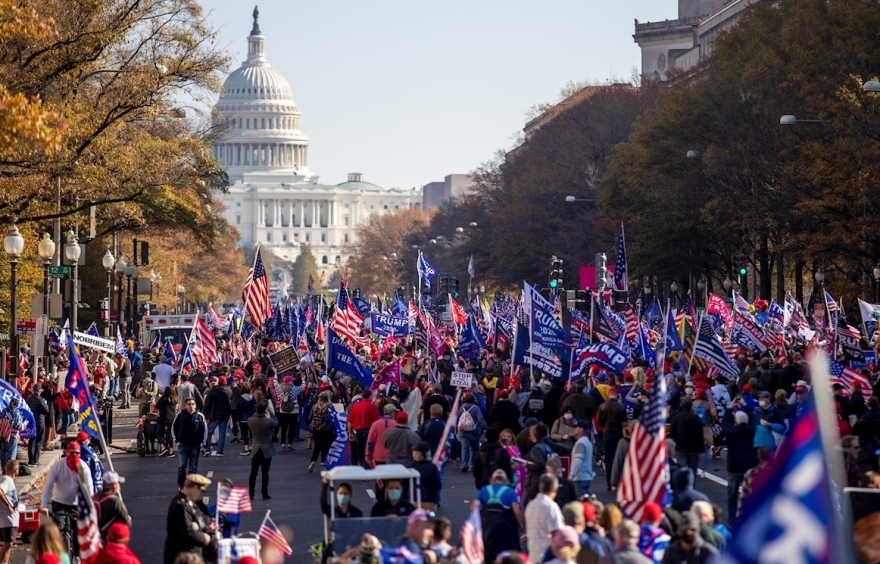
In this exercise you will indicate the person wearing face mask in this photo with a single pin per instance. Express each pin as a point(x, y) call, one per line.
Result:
point(689, 547)
point(67, 477)
point(393, 504)
point(769, 420)
point(562, 430)
point(344, 508)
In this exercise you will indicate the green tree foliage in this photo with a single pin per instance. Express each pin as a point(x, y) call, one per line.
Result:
point(801, 193)
point(305, 265)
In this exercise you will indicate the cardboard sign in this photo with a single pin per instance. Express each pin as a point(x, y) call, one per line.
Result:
point(462, 379)
point(284, 360)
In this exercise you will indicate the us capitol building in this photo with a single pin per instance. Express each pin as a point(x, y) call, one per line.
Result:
point(274, 199)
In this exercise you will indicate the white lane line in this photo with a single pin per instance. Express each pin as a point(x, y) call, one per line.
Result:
point(371, 493)
point(716, 479)
point(210, 473)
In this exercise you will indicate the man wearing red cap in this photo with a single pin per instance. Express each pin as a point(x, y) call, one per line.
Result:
point(218, 408)
point(116, 550)
point(653, 540)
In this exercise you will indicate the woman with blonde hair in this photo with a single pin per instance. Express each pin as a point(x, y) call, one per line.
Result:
point(47, 540)
point(323, 433)
point(508, 441)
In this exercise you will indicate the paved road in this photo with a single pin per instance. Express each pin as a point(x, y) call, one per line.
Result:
point(151, 483)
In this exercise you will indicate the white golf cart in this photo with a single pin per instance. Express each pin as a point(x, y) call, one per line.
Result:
point(347, 533)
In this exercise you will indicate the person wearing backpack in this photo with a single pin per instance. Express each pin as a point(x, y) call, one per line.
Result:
point(491, 456)
point(470, 427)
point(288, 412)
point(146, 393)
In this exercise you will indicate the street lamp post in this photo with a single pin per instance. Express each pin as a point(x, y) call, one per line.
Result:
point(728, 284)
point(13, 244)
point(120, 267)
point(107, 262)
point(132, 273)
point(877, 283)
point(46, 250)
point(673, 289)
point(72, 250)
point(701, 286)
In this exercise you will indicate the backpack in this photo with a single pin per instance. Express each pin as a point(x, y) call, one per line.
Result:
point(466, 421)
point(490, 462)
point(702, 413)
point(288, 403)
point(319, 420)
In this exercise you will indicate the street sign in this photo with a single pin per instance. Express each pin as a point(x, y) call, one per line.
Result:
point(462, 379)
point(26, 326)
point(62, 271)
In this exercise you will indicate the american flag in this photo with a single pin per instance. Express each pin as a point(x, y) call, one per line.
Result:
point(632, 324)
point(157, 342)
point(87, 533)
point(233, 499)
point(830, 303)
point(270, 534)
point(456, 311)
point(445, 447)
point(256, 292)
point(690, 310)
point(740, 302)
point(347, 321)
point(120, 344)
point(846, 376)
point(621, 270)
point(203, 347)
point(708, 347)
point(645, 470)
point(471, 537)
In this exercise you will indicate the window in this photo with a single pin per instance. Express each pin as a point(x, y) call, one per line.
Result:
point(308, 238)
point(284, 237)
point(385, 207)
point(296, 236)
point(238, 220)
point(238, 204)
point(268, 237)
point(346, 221)
point(346, 238)
point(324, 260)
point(323, 237)
point(338, 259)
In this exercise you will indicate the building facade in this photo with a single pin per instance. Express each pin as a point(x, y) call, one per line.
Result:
point(435, 194)
point(684, 43)
point(274, 199)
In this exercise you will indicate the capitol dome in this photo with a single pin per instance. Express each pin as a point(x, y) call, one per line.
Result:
point(261, 119)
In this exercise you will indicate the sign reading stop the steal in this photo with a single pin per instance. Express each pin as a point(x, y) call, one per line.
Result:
point(461, 379)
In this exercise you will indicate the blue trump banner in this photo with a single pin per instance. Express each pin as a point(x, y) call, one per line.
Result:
point(605, 355)
point(340, 451)
point(77, 385)
point(384, 325)
point(7, 393)
point(340, 357)
point(543, 359)
point(471, 341)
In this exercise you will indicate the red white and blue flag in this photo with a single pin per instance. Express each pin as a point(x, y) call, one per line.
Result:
point(347, 320)
point(471, 538)
point(87, 533)
point(203, 347)
point(645, 470)
point(846, 376)
point(621, 270)
point(271, 536)
point(445, 447)
point(231, 499)
point(256, 292)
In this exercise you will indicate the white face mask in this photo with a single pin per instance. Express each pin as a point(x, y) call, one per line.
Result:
point(764, 403)
point(567, 416)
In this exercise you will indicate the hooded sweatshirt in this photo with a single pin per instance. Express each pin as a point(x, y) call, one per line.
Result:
point(683, 492)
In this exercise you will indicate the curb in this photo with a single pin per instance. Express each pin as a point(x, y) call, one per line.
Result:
point(28, 482)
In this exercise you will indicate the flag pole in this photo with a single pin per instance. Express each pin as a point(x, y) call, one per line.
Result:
point(694, 349)
point(592, 315)
point(531, 344)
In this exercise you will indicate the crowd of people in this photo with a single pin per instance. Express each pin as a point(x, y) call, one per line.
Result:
point(535, 447)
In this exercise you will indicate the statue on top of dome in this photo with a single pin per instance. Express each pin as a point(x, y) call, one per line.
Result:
point(256, 30)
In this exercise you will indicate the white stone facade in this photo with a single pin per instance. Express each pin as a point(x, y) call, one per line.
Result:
point(273, 198)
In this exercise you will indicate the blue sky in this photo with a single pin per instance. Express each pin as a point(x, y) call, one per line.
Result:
point(409, 91)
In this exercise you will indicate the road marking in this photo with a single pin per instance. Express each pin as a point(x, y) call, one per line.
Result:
point(206, 499)
point(371, 493)
point(716, 479)
point(210, 473)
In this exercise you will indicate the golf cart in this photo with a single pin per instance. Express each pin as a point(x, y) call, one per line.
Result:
point(346, 533)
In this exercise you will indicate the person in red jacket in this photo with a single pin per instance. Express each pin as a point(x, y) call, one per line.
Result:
point(116, 550)
point(361, 416)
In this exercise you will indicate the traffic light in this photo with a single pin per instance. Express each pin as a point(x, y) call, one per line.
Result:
point(401, 292)
point(742, 265)
point(453, 282)
point(571, 299)
point(555, 273)
point(601, 271)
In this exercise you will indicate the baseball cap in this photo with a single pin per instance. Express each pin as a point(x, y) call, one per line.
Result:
point(652, 512)
point(389, 409)
point(198, 480)
point(603, 377)
point(418, 516)
point(82, 437)
point(837, 386)
point(747, 388)
point(247, 560)
point(801, 390)
point(566, 536)
point(118, 532)
point(222, 380)
point(72, 446)
point(402, 418)
point(113, 478)
point(589, 511)
point(765, 394)
point(421, 446)
point(582, 423)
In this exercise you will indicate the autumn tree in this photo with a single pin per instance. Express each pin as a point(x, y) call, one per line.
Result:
point(383, 257)
point(304, 266)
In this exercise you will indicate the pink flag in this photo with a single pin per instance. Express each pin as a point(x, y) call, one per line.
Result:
point(389, 373)
point(717, 305)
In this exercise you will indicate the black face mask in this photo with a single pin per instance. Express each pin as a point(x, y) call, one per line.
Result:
point(689, 537)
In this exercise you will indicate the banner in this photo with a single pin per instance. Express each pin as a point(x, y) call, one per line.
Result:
point(717, 305)
point(340, 451)
point(471, 341)
point(384, 325)
point(340, 357)
point(386, 375)
point(7, 392)
point(543, 359)
point(605, 355)
point(86, 340)
point(747, 334)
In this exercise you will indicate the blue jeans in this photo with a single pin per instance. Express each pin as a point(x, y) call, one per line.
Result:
point(113, 387)
point(66, 420)
point(583, 487)
point(187, 462)
point(470, 447)
point(11, 450)
point(221, 442)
